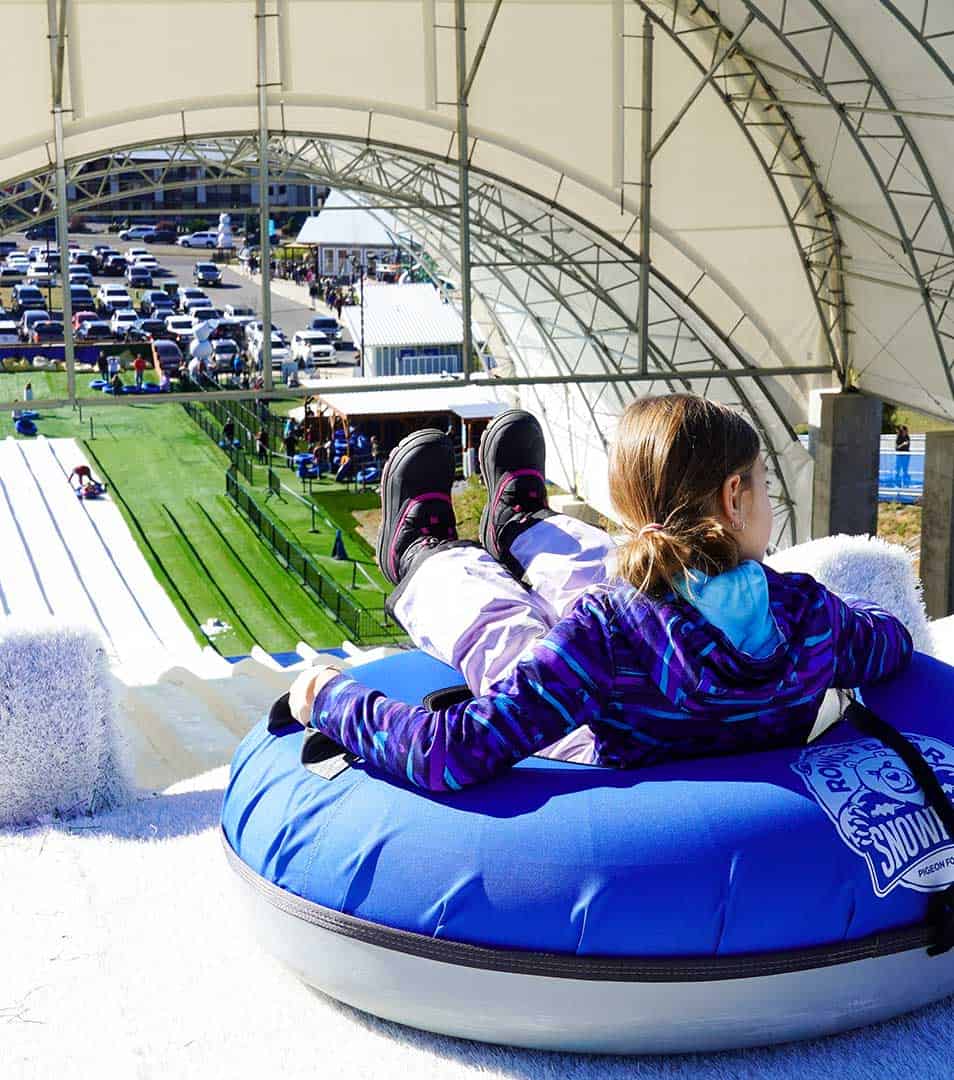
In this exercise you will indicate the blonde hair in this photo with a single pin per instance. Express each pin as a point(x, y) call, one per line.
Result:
point(671, 457)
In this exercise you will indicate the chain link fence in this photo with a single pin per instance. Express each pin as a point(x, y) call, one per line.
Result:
point(362, 624)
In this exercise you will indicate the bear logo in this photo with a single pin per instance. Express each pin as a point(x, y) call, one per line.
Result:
point(880, 811)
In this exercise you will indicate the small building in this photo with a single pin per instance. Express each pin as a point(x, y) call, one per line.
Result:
point(461, 409)
point(344, 237)
point(406, 330)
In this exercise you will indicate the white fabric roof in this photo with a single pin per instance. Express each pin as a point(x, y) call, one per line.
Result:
point(342, 224)
point(467, 401)
point(801, 206)
point(403, 315)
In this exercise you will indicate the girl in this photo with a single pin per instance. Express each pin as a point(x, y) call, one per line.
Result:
point(691, 648)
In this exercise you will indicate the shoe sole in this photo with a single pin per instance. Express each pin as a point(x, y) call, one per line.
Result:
point(492, 435)
point(390, 491)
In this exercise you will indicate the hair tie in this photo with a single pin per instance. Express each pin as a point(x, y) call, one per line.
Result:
point(652, 527)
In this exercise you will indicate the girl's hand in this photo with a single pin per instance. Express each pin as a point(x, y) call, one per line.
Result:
point(304, 690)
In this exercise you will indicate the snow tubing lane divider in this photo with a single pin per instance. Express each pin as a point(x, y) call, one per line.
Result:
point(700, 905)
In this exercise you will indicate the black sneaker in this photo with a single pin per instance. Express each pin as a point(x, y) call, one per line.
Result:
point(415, 499)
point(512, 461)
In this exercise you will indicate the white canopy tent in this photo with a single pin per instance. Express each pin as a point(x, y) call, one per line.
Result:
point(798, 231)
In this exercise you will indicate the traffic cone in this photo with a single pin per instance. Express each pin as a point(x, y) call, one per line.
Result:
point(338, 549)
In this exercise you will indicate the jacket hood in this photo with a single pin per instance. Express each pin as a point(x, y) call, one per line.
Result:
point(695, 664)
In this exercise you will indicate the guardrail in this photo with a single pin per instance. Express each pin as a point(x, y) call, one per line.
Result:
point(210, 416)
point(363, 625)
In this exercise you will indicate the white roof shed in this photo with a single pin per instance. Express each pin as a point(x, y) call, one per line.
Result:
point(341, 223)
point(403, 315)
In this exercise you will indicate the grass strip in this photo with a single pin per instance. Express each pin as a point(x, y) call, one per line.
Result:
point(208, 573)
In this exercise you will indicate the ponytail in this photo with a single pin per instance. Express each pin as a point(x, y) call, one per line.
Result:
point(672, 456)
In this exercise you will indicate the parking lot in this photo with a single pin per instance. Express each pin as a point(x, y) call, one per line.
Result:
point(175, 267)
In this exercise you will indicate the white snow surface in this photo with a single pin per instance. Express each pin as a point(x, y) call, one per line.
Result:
point(76, 560)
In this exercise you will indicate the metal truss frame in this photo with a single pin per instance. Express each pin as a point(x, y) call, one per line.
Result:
point(899, 169)
point(733, 73)
point(576, 285)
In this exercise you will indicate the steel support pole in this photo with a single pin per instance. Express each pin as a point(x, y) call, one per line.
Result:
point(57, 20)
point(645, 189)
point(62, 232)
point(463, 180)
point(264, 241)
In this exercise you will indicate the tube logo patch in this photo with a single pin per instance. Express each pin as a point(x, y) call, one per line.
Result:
point(880, 812)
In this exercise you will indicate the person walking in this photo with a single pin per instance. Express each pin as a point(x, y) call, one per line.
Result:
point(102, 362)
point(291, 445)
point(902, 451)
point(261, 445)
point(313, 294)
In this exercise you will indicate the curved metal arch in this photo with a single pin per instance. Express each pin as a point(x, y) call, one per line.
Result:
point(417, 179)
point(826, 280)
point(784, 34)
point(919, 35)
point(666, 377)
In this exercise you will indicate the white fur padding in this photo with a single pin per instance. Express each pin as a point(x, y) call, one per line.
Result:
point(867, 568)
point(60, 750)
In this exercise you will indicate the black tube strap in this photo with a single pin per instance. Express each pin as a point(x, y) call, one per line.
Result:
point(941, 904)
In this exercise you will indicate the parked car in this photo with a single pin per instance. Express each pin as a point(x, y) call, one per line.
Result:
point(19, 259)
point(81, 297)
point(281, 353)
point(153, 328)
point(205, 314)
point(133, 253)
point(147, 262)
point(83, 258)
point(113, 266)
point(80, 317)
point(198, 240)
point(112, 298)
point(10, 275)
point(27, 298)
point(8, 332)
point(152, 299)
point(312, 347)
point(29, 319)
point(160, 236)
point(253, 334)
point(206, 273)
point(122, 320)
point(239, 313)
point(187, 292)
point(6, 247)
point(41, 231)
point(80, 275)
point(94, 330)
point(166, 355)
point(180, 327)
point(327, 325)
point(41, 274)
point(103, 252)
point(224, 352)
point(138, 277)
point(43, 332)
point(195, 303)
point(136, 232)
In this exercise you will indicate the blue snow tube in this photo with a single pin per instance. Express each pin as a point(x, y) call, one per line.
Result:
point(368, 475)
point(98, 384)
point(25, 426)
point(699, 905)
point(29, 414)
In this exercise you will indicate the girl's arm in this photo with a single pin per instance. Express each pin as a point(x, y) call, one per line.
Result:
point(558, 685)
point(868, 643)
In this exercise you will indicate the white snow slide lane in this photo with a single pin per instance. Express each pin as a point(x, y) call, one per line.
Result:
point(82, 558)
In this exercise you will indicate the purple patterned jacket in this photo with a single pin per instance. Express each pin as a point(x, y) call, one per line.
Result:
point(654, 680)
